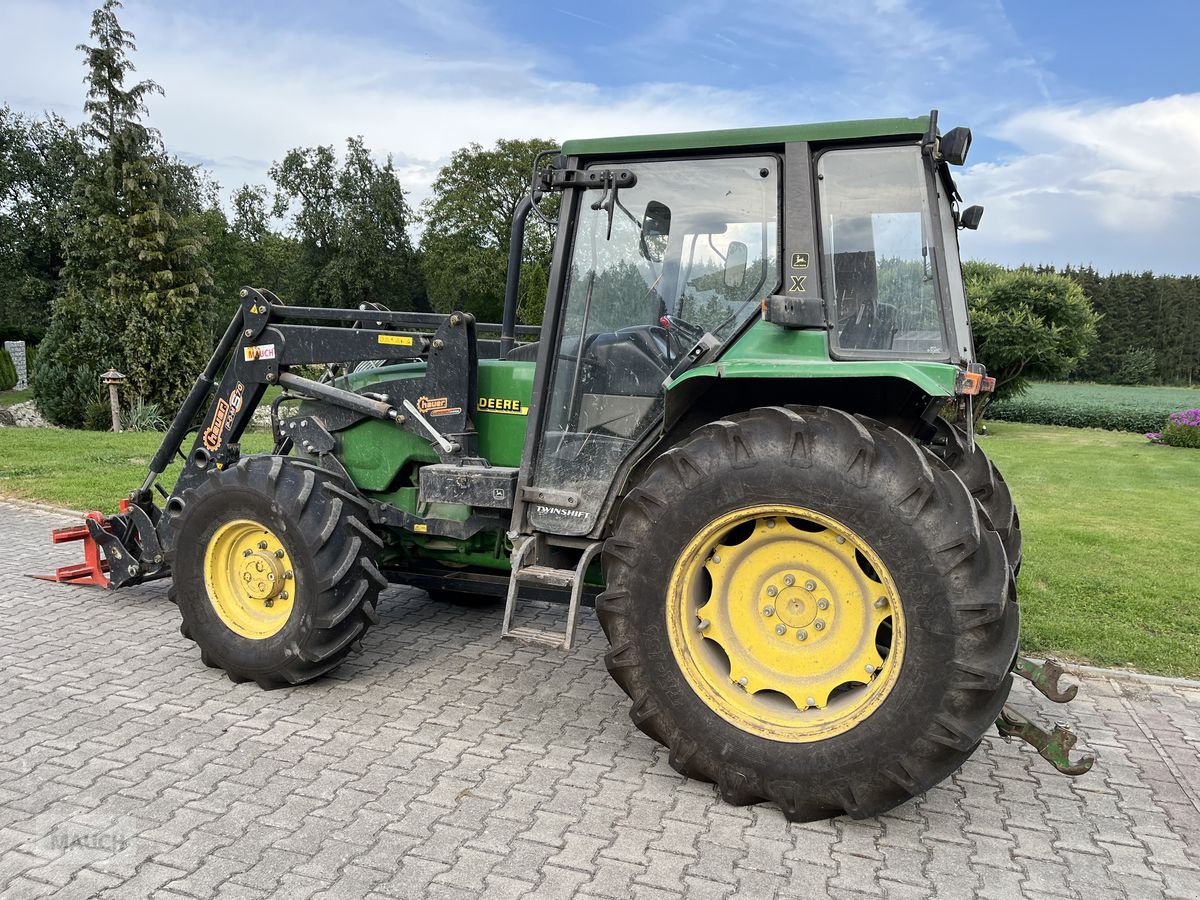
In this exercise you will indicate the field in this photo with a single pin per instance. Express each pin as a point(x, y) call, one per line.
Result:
point(1111, 527)
point(1109, 406)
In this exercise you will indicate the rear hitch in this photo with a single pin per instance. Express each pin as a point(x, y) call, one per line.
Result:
point(1053, 746)
point(1044, 677)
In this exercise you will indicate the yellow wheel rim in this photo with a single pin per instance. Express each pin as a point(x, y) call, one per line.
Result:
point(249, 578)
point(786, 623)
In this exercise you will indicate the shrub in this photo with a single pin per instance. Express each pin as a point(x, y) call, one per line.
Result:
point(1043, 412)
point(1182, 430)
point(8, 371)
point(143, 416)
point(1027, 325)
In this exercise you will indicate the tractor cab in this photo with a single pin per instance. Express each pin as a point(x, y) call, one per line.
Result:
point(836, 243)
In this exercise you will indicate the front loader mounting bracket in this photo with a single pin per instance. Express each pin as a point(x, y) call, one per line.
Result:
point(1053, 746)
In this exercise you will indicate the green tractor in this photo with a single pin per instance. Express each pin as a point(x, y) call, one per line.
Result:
point(733, 433)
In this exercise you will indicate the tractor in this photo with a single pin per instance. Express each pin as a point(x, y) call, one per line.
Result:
point(744, 432)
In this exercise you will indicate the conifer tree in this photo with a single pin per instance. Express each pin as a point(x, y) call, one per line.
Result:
point(134, 277)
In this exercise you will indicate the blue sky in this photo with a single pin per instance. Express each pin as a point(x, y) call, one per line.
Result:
point(1086, 114)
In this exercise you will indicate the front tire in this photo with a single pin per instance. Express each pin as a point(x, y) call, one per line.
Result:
point(910, 667)
point(274, 570)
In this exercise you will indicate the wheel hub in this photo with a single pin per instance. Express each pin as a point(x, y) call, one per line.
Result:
point(249, 578)
point(775, 618)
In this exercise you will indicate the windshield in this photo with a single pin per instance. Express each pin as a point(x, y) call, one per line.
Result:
point(878, 246)
point(691, 247)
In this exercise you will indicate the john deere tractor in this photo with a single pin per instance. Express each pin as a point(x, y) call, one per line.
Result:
point(743, 431)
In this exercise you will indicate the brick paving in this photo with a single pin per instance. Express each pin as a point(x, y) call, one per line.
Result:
point(444, 762)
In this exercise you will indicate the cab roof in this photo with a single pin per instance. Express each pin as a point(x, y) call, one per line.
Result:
point(745, 137)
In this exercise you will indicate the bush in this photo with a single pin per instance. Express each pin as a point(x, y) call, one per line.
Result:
point(1027, 325)
point(30, 359)
point(1182, 430)
point(1079, 405)
point(78, 346)
point(1041, 412)
point(8, 371)
point(143, 416)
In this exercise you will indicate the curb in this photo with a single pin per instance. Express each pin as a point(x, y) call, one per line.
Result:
point(41, 507)
point(1081, 671)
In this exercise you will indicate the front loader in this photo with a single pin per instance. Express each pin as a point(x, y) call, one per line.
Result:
point(745, 432)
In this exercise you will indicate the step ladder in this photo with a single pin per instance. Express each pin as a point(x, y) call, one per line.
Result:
point(525, 570)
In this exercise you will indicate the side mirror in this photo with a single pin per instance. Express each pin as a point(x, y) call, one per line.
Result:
point(954, 145)
point(656, 230)
point(735, 264)
point(970, 217)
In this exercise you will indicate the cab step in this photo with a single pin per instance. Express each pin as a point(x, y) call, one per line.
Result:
point(526, 571)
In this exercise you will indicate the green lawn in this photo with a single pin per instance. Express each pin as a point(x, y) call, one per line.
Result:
point(1112, 530)
point(1111, 525)
point(83, 469)
point(10, 398)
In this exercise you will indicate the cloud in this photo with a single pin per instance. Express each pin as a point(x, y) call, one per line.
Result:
point(238, 97)
point(1114, 185)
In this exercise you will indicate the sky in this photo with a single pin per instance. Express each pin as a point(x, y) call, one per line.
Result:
point(1085, 113)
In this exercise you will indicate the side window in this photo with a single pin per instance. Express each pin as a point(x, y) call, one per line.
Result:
point(876, 237)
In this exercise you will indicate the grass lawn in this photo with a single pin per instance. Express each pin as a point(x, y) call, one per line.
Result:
point(1111, 526)
point(84, 469)
point(1112, 531)
point(10, 398)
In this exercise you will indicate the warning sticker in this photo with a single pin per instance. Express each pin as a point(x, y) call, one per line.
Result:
point(398, 340)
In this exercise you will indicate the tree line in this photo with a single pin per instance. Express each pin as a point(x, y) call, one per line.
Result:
point(115, 253)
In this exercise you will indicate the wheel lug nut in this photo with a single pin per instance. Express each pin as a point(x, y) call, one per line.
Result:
point(870, 670)
point(743, 681)
point(811, 701)
point(268, 602)
point(768, 611)
point(802, 635)
point(789, 580)
point(781, 629)
point(772, 590)
point(288, 574)
point(279, 553)
point(881, 603)
point(819, 624)
point(716, 558)
point(283, 595)
point(822, 603)
point(840, 539)
point(246, 552)
point(770, 523)
point(810, 585)
point(703, 626)
point(262, 545)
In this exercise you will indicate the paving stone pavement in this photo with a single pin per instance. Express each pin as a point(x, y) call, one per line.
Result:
point(444, 762)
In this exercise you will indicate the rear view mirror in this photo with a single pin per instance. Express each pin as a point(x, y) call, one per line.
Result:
point(970, 217)
point(656, 230)
point(735, 264)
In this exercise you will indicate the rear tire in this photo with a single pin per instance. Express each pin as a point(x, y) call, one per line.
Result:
point(319, 557)
point(968, 461)
point(944, 567)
